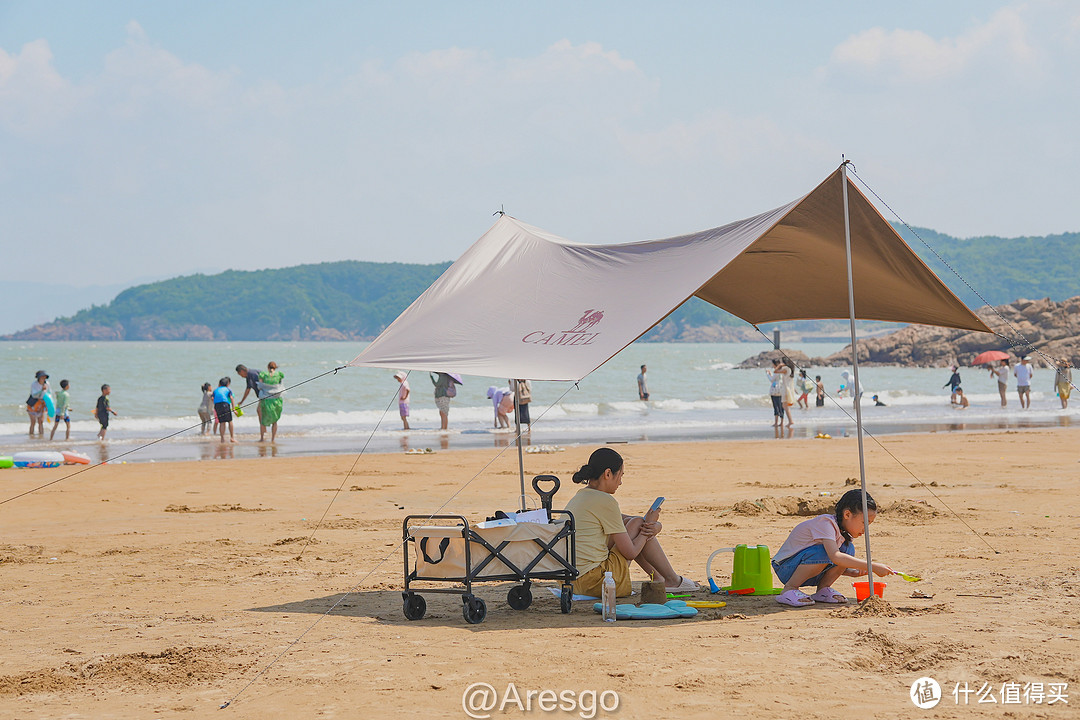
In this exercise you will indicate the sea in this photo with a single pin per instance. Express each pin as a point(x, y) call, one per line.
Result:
point(696, 394)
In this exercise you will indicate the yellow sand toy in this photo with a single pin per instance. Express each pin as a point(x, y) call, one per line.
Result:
point(751, 572)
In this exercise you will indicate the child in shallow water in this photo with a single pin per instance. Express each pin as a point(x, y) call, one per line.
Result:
point(819, 550)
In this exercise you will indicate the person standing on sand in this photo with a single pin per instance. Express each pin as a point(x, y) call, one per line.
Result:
point(103, 410)
point(444, 391)
point(1023, 375)
point(35, 403)
point(1001, 373)
point(223, 405)
point(270, 401)
point(642, 385)
point(804, 386)
point(789, 389)
point(776, 391)
point(403, 397)
point(206, 408)
point(252, 378)
point(63, 411)
point(1062, 383)
point(953, 383)
point(522, 390)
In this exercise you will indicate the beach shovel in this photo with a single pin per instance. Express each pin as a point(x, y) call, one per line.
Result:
point(909, 578)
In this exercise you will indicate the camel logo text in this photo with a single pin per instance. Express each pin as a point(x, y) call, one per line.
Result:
point(578, 335)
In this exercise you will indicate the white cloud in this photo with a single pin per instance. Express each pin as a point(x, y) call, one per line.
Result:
point(913, 56)
point(145, 75)
point(390, 160)
point(33, 96)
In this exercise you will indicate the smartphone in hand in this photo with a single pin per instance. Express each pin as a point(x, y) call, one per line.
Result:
point(656, 504)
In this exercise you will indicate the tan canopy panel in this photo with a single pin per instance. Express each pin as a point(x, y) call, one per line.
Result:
point(798, 269)
point(523, 303)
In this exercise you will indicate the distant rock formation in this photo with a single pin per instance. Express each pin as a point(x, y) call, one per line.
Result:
point(678, 332)
point(141, 329)
point(149, 328)
point(1052, 328)
point(764, 360)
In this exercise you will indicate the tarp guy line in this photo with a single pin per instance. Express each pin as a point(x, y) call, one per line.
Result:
point(393, 550)
point(155, 442)
point(1012, 342)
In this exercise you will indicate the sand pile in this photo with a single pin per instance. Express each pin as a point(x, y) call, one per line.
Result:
point(787, 505)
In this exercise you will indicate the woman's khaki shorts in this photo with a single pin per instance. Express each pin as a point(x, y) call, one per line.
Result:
point(592, 582)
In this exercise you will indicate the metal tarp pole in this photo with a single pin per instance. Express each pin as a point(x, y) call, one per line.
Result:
point(517, 430)
point(857, 390)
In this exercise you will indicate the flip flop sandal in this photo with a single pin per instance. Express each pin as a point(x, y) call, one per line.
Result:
point(794, 598)
point(828, 595)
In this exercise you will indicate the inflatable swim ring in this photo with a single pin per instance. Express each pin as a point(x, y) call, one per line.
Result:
point(74, 458)
point(50, 406)
point(38, 459)
point(6, 462)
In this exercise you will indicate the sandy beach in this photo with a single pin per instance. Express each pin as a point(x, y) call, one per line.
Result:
point(167, 589)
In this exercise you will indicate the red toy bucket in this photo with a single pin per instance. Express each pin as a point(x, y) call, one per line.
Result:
point(862, 589)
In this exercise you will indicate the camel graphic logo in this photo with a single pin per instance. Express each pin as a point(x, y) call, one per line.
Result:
point(578, 335)
point(588, 319)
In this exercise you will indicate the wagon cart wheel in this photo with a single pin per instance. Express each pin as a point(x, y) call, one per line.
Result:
point(519, 597)
point(414, 606)
point(474, 609)
point(566, 600)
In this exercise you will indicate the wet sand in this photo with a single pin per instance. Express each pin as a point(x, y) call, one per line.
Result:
point(165, 589)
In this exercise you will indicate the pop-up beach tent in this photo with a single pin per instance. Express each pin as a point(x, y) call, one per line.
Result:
point(574, 306)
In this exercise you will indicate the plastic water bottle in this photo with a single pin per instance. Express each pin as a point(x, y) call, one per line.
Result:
point(607, 598)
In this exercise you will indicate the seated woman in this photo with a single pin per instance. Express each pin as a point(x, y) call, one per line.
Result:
point(607, 540)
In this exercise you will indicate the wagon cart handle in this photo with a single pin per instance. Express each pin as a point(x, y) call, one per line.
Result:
point(545, 497)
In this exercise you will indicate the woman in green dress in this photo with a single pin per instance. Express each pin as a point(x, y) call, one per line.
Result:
point(270, 402)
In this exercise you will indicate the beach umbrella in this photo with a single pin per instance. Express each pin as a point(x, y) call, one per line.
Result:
point(989, 356)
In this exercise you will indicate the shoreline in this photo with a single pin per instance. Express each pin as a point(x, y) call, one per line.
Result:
point(196, 448)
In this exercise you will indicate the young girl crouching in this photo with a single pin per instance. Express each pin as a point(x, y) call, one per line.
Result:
point(819, 550)
point(606, 540)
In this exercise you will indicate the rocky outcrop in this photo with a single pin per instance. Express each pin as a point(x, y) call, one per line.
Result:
point(764, 360)
point(1023, 327)
point(150, 328)
point(140, 329)
point(679, 332)
point(71, 331)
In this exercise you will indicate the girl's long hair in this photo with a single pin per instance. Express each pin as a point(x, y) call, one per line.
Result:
point(852, 500)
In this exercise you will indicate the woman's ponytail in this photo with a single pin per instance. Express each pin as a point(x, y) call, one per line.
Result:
point(602, 459)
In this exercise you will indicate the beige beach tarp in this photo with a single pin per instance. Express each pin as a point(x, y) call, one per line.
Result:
point(524, 303)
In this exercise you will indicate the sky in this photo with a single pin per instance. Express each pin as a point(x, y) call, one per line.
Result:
point(148, 140)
